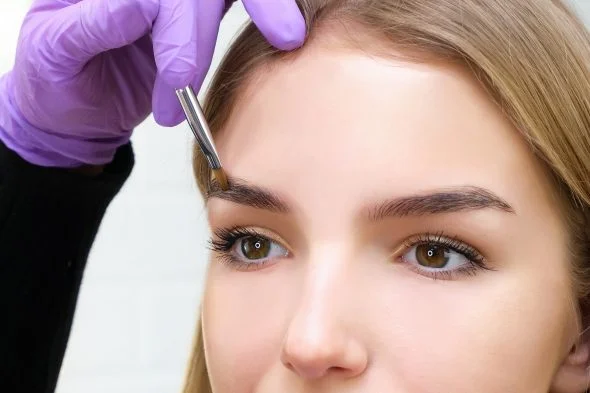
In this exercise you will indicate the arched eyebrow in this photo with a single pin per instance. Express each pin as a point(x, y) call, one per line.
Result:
point(448, 200)
point(440, 201)
point(244, 193)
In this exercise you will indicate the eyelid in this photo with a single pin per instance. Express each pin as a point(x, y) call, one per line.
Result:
point(439, 237)
point(270, 235)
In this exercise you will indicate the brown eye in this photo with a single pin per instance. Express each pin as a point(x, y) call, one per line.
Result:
point(254, 247)
point(432, 255)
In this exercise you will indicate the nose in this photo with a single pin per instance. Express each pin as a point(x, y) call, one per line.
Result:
point(314, 358)
point(319, 341)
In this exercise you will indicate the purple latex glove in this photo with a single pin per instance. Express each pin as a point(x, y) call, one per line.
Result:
point(87, 72)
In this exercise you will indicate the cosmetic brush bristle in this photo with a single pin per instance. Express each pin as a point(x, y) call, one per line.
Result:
point(221, 178)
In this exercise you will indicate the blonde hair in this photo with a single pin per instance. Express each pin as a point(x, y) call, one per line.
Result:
point(532, 56)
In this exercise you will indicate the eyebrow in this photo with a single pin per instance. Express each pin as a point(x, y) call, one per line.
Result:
point(244, 193)
point(448, 200)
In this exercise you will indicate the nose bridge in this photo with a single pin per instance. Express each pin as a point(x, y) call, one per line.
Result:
point(327, 267)
point(319, 339)
point(318, 313)
point(326, 284)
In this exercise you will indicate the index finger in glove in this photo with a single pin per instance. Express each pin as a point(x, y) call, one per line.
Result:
point(280, 21)
point(184, 37)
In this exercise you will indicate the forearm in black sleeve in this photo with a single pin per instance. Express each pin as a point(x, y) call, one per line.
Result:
point(48, 221)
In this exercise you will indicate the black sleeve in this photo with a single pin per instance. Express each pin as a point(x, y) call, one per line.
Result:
point(48, 221)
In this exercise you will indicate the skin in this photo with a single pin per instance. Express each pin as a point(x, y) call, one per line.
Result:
point(348, 310)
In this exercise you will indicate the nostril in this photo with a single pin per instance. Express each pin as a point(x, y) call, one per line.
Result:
point(338, 369)
point(308, 372)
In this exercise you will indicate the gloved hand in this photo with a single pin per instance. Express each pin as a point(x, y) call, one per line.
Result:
point(87, 72)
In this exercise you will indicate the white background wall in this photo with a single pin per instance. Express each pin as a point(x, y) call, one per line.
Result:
point(139, 300)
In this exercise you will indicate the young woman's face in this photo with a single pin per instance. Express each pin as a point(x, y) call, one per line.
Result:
point(388, 231)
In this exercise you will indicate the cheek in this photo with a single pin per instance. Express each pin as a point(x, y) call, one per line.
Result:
point(491, 334)
point(244, 320)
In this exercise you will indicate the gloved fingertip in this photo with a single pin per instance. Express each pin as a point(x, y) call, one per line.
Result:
point(281, 22)
point(291, 36)
point(168, 119)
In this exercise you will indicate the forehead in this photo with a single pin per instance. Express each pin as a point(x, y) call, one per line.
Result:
point(334, 128)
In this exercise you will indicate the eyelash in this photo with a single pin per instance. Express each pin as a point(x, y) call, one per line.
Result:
point(475, 260)
point(225, 239)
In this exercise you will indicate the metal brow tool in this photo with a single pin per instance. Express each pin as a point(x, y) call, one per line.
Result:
point(198, 124)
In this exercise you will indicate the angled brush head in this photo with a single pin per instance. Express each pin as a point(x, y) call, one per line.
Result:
point(221, 178)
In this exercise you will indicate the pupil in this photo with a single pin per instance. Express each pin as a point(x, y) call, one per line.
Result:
point(430, 255)
point(255, 247)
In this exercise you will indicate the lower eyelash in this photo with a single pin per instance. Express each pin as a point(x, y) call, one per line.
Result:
point(470, 270)
point(476, 261)
point(224, 240)
point(228, 259)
